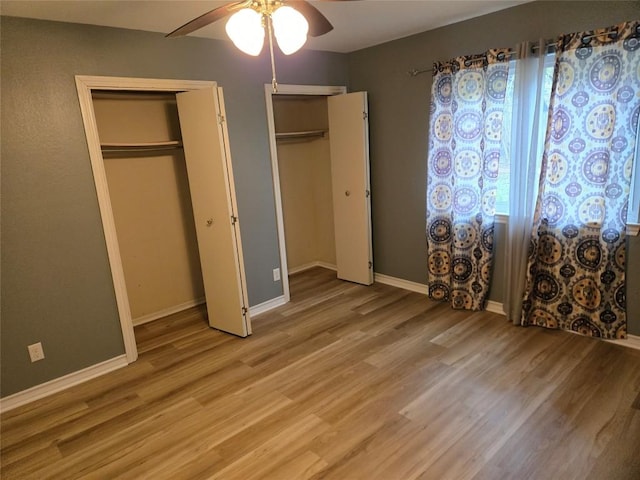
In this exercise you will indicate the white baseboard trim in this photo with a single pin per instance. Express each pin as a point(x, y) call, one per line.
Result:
point(308, 266)
point(632, 341)
point(150, 317)
point(494, 307)
point(58, 384)
point(328, 266)
point(400, 283)
point(266, 306)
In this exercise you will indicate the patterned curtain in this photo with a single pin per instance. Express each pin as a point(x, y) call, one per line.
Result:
point(467, 100)
point(576, 269)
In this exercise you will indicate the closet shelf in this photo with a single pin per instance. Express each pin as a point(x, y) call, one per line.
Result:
point(140, 147)
point(307, 134)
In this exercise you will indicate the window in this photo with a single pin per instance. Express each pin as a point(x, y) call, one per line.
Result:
point(506, 157)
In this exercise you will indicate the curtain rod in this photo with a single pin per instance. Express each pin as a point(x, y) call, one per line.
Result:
point(473, 58)
point(550, 43)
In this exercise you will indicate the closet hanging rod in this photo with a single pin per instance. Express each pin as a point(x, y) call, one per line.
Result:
point(140, 146)
point(139, 150)
point(300, 135)
point(548, 45)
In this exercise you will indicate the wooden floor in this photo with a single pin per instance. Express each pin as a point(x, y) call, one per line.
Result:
point(345, 382)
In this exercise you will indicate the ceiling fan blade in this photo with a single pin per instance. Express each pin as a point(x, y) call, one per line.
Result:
point(207, 18)
point(318, 23)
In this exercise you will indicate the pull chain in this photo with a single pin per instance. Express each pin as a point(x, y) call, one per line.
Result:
point(274, 83)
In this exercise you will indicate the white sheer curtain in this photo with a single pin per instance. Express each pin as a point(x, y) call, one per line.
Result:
point(531, 74)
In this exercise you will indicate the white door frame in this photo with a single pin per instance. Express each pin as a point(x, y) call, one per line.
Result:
point(85, 85)
point(275, 172)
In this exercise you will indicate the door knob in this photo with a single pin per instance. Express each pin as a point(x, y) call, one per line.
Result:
point(347, 193)
point(209, 222)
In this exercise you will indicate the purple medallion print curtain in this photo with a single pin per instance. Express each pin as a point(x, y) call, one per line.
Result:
point(467, 100)
point(576, 268)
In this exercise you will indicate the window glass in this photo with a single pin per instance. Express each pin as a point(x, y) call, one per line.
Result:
point(502, 196)
point(504, 177)
point(504, 169)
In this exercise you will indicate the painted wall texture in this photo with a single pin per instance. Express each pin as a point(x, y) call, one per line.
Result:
point(56, 283)
point(399, 120)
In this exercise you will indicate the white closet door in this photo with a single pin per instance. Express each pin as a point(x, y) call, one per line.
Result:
point(211, 184)
point(349, 140)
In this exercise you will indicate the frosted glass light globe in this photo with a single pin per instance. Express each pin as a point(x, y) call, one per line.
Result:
point(290, 28)
point(246, 31)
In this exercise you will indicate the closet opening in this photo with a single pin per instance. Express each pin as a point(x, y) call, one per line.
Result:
point(148, 184)
point(304, 164)
point(164, 182)
point(320, 164)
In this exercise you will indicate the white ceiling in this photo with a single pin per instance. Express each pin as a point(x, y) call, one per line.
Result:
point(357, 24)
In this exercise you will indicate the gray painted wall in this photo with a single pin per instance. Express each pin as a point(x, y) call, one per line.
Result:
point(399, 119)
point(56, 282)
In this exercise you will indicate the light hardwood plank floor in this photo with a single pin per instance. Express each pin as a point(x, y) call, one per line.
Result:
point(344, 382)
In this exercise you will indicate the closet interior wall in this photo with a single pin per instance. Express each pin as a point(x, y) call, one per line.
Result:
point(151, 204)
point(304, 164)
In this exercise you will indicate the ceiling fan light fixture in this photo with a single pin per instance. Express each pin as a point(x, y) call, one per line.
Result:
point(246, 31)
point(290, 29)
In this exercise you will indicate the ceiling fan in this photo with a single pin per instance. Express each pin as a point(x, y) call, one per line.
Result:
point(290, 21)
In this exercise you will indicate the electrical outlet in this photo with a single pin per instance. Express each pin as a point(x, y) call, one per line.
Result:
point(276, 274)
point(35, 352)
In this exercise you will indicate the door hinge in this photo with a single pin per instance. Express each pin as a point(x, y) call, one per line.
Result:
point(365, 115)
point(367, 193)
point(370, 265)
point(234, 219)
point(244, 311)
point(220, 118)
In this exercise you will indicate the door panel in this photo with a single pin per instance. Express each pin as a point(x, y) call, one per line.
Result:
point(349, 135)
point(213, 201)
